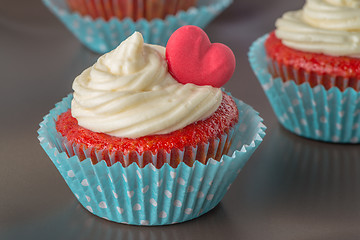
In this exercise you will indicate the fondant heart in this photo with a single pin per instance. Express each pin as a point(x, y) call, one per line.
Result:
point(192, 58)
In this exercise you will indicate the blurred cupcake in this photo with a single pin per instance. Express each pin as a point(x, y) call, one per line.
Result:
point(137, 146)
point(309, 69)
point(103, 25)
point(134, 9)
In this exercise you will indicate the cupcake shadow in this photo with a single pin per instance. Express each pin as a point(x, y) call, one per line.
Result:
point(74, 222)
point(187, 230)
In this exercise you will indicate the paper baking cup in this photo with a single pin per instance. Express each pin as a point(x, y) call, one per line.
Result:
point(327, 115)
point(134, 9)
point(102, 36)
point(147, 195)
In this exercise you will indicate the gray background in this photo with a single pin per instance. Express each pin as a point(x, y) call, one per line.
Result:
point(291, 188)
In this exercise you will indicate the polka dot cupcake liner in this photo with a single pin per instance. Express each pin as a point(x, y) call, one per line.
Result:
point(102, 36)
point(313, 112)
point(147, 195)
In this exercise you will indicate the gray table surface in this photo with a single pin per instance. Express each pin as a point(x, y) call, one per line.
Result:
point(291, 188)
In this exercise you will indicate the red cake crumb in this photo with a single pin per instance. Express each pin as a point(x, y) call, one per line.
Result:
point(192, 135)
point(320, 68)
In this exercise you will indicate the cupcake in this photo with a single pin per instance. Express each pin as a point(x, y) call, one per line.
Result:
point(103, 25)
point(143, 145)
point(309, 70)
point(134, 9)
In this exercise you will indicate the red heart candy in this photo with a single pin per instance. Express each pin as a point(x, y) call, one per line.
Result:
point(192, 58)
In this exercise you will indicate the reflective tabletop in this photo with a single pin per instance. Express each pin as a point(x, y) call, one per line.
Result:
point(291, 188)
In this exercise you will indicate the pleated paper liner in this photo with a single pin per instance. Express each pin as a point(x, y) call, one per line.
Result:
point(102, 36)
point(315, 112)
point(134, 9)
point(147, 195)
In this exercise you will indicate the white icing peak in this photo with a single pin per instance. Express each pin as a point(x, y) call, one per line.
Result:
point(323, 26)
point(345, 3)
point(129, 93)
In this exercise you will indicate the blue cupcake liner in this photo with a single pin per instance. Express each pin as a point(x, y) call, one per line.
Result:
point(102, 36)
point(150, 196)
point(316, 113)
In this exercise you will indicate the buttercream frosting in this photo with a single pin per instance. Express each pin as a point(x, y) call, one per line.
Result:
point(331, 27)
point(129, 93)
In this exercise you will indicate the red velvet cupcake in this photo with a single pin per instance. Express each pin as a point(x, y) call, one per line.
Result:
point(309, 68)
point(141, 141)
point(134, 9)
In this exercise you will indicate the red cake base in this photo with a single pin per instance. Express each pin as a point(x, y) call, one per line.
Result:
point(196, 134)
point(315, 68)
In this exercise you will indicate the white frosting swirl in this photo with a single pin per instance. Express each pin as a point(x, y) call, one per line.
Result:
point(130, 93)
point(323, 26)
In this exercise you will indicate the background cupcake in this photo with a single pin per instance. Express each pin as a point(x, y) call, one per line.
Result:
point(157, 186)
point(97, 28)
point(309, 69)
point(134, 9)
